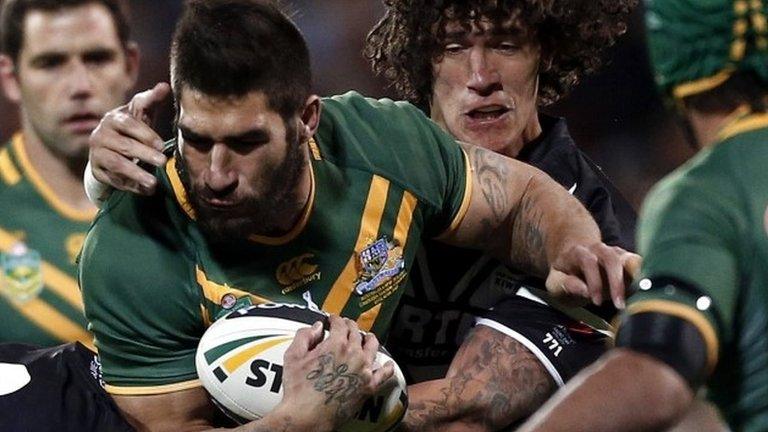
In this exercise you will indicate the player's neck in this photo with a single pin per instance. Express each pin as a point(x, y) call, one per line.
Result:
point(63, 177)
point(708, 125)
point(530, 132)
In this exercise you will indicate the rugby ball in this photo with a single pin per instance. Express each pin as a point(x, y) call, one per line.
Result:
point(240, 362)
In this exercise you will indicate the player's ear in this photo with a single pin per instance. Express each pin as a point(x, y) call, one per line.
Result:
point(9, 80)
point(132, 57)
point(310, 116)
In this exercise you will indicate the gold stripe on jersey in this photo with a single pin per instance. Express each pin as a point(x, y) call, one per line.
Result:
point(8, 171)
point(465, 201)
point(367, 318)
point(53, 322)
point(152, 390)
point(341, 290)
point(57, 281)
point(687, 313)
point(214, 292)
point(178, 188)
point(42, 187)
point(742, 125)
point(402, 227)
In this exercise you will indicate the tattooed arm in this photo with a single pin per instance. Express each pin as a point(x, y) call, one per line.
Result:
point(520, 215)
point(493, 382)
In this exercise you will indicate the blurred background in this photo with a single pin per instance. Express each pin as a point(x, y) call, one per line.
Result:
point(615, 116)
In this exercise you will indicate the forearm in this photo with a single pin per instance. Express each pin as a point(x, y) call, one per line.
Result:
point(546, 221)
point(493, 381)
point(276, 421)
point(601, 397)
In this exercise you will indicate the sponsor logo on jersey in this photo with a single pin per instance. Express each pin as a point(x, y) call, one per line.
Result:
point(21, 279)
point(297, 272)
point(379, 264)
point(73, 244)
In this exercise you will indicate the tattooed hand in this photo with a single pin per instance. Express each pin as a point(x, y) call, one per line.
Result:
point(327, 381)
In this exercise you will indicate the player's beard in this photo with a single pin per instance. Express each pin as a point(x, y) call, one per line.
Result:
point(260, 215)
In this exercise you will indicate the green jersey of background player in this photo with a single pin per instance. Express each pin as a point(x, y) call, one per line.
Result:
point(265, 199)
point(63, 78)
point(701, 313)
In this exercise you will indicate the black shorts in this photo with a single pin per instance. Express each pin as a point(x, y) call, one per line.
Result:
point(54, 389)
point(562, 344)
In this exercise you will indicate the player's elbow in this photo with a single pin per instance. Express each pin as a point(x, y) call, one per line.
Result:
point(664, 395)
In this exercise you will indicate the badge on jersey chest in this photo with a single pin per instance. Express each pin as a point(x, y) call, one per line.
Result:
point(380, 269)
point(22, 277)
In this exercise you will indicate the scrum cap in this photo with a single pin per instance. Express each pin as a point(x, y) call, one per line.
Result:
point(696, 45)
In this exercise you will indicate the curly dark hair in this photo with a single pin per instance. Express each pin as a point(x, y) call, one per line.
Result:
point(572, 35)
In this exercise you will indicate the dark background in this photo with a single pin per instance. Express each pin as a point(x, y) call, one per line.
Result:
point(615, 116)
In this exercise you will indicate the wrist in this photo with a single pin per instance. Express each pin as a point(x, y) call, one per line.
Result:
point(296, 419)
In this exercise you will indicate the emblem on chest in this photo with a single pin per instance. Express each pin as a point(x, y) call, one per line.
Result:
point(380, 269)
point(21, 279)
point(297, 272)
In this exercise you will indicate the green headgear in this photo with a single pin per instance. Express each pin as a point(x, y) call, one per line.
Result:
point(696, 45)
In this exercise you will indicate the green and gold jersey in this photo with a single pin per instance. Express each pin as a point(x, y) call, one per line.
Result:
point(383, 178)
point(707, 225)
point(40, 237)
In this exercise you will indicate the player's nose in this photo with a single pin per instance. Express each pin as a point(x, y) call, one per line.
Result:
point(220, 177)
point(80, 81)
point(484, 78)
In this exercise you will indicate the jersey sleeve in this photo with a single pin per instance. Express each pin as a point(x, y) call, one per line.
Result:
point(403, 145)
point(689, 235)
point(141, 306)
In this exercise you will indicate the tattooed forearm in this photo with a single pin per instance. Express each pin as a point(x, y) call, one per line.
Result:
point(528, 240)
point(333, 380)
point(493, 382)
point(490, 174)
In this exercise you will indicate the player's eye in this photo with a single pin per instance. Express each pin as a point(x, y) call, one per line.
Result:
point(453, 48)
point(199, 144)
point(508, 47)
point(99, 57)
point(50, 61)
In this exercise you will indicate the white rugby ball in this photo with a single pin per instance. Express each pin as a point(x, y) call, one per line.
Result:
point(240, 362)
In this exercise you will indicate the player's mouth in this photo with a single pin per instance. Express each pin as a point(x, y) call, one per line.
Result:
point(489, 115)
point(82, 123)
point(218, 204)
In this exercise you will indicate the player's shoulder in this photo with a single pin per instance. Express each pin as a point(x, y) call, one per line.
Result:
point(386, 137)
point(353, 101)
point(380, 123)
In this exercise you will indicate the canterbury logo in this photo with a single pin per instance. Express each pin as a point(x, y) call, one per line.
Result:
point(295, 270)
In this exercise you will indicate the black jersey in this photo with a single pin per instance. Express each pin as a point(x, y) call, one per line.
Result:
point(451, 287)
point(54, 389)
